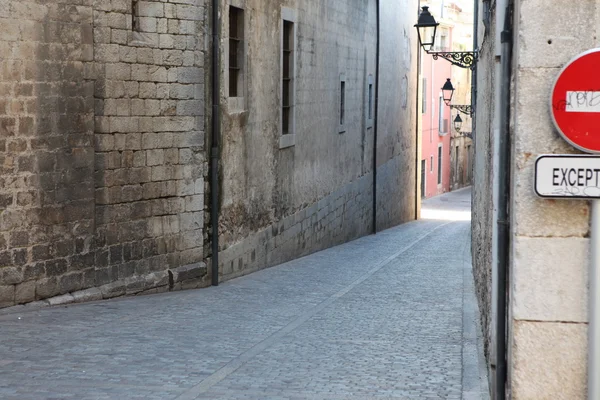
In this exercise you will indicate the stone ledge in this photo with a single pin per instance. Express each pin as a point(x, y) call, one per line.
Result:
point(193, 276)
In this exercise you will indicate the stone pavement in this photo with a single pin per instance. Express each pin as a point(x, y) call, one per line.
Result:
point(391, 316)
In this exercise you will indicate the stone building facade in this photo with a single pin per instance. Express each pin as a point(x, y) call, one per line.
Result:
point(547, 287)
point(102, 147)
point(103, 114)
point(296, 184)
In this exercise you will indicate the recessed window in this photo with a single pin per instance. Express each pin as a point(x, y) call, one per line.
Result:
point(456, 161)
point(135, 21)
point(342, 101)
point(431, 164)
point(441, 115)
point(342, 104)
point(424, 95)
point(439, 165)
point(371, 99)
point(236, 51)
point(287, 84)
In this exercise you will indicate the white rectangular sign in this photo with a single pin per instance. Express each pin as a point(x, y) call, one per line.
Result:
point(567, 176)
point(583, 102)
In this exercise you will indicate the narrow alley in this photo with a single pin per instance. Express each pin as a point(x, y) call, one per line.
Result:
point(391, 316)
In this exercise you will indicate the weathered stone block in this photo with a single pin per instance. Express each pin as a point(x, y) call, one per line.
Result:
point(46, 288)
point(93, 294)
point(25, 292)
point(60, 300)
point(550, 279)
point(114, 289)
point(549, 360)
point(7, 295)
point(544, 43)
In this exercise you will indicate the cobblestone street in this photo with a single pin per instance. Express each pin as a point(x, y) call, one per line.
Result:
point(391, 316)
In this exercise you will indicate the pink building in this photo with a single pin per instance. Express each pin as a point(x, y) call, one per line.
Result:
point(436, 121)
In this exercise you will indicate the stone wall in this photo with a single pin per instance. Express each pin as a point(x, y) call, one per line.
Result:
point(550, 245)
point(482, 199)
point(101, 141)
point(318, 178)
point(341, 216)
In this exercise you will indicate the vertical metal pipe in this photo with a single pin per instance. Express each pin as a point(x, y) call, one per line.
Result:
point(503, 207)
point(418, 138)
point(594, 307)
point(376, 122)
point(214, 153)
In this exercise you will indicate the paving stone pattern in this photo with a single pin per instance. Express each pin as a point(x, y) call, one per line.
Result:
point(378, 318)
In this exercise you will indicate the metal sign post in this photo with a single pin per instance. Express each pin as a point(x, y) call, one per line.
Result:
point(575, 110)
point(569, 176)
point(594, 307)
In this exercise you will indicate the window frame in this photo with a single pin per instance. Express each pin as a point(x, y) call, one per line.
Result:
point(288, 136)
point(240, 59)
point(342, 101)
point(440, 178)
point(370, 101)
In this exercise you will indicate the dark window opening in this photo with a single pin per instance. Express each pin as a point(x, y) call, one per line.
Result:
point(135, 22)
point(440, 165)
point(456, 161)
point(288, 76)
point(370, 101)
point(236, 50)
point(342, 101)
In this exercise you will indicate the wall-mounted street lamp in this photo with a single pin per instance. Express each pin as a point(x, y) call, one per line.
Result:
point(427, 28)
point(447, 91)
point(458, 124)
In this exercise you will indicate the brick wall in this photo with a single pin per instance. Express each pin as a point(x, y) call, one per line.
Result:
point(102, 147)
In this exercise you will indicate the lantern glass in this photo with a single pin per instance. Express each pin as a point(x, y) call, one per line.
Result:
point(426, 28)
point(448, 91)
point(458, 123)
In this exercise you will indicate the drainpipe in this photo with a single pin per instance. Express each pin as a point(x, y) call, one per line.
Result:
point(418, 138)
point(503, 222)
point(214, 152)
point(376, 123)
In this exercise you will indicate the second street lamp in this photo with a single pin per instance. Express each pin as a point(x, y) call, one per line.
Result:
point(447, 91)
point(458, 123)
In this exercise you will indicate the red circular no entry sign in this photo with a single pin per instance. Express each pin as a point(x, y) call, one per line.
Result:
point(575, 102)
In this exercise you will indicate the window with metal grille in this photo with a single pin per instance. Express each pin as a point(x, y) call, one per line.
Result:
point(287, 95)
point(236, 51)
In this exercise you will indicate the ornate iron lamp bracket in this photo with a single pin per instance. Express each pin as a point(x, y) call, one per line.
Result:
point(465, 109)
point(463, 59)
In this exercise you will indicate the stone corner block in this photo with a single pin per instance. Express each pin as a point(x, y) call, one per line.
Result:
point(549, 360)
point(550, 279)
